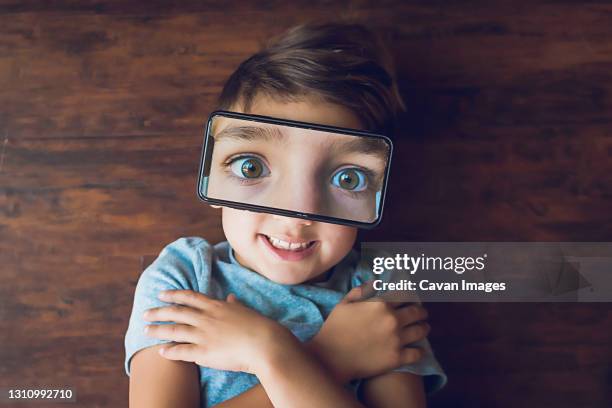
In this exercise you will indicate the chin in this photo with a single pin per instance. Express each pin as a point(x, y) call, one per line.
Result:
point(285, 276)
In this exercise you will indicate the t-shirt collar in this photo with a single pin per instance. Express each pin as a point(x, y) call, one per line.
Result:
point(232, 258)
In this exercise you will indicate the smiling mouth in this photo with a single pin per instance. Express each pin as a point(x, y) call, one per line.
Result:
point(288, 246)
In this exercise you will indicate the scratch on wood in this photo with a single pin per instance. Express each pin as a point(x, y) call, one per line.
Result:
point(3, 151)
point(586, 43)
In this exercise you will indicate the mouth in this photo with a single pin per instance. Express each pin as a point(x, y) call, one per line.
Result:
point(293, 250)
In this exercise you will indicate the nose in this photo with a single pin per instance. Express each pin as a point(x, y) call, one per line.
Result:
point(292, 221)
point(302, 193)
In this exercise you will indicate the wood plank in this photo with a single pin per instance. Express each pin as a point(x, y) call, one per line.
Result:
point(508, 136)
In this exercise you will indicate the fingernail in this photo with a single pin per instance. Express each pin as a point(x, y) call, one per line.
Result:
point(146, 329)
point(162, 295)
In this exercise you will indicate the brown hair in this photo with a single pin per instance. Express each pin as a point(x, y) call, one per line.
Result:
point(344, 63)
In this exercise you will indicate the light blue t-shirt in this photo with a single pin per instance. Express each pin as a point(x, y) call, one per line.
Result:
point(192, 263)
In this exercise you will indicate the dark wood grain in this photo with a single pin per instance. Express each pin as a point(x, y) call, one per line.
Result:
point(508, 137)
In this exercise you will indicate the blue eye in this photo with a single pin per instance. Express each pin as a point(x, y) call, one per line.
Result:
point(249, 167)
point(351, 179)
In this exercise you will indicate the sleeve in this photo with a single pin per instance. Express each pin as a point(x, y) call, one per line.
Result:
point(428, 367)
point(176, 267)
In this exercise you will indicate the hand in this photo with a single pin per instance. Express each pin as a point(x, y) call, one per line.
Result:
point(224, 335)
point(362, 339)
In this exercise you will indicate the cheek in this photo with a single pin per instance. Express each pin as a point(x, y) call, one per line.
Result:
point(239, 225)
point(340, 240)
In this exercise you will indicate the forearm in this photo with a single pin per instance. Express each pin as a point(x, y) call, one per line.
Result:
point(290, 377)
point(394, 389)
point(256, 396)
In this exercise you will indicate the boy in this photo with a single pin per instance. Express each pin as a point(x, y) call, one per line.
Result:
point(241, 315)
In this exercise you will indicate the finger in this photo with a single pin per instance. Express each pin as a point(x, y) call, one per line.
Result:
point(176, 332)
point(187, 297)
point(231, 298)
point(410, 355)
point(174, 313)
point(398, 299)
point(398, 304)
point(413, 333)
point(368, 289)
point(353, 295)
point(411, 314)
point(184, 352)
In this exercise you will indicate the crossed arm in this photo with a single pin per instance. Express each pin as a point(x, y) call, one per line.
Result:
point(384, 391)
point(341, 351)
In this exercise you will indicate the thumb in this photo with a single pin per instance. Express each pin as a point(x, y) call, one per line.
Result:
point(353, 295)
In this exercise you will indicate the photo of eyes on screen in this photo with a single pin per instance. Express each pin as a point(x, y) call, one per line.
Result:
point(322, 173)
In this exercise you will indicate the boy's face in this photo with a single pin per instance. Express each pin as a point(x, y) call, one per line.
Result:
point(284, 249)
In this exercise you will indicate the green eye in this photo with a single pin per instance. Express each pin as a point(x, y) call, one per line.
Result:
point(249, 167)
point(350, 179)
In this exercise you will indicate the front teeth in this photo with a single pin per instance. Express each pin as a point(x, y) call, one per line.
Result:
point(279, 243)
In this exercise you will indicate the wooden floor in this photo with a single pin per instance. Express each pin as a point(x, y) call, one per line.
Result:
point(102, 103)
